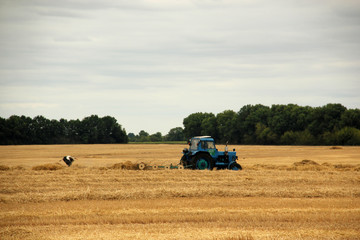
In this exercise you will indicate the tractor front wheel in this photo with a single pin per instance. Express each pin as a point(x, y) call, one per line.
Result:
point(203, 161)
point(235, 166)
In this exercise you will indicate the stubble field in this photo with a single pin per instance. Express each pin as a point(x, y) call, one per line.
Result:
point(283, 193)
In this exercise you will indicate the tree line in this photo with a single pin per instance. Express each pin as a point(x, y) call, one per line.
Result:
point(17, 130)
point(175, 134)
point(332, 124)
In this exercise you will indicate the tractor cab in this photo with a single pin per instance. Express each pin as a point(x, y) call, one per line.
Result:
point(202, 144)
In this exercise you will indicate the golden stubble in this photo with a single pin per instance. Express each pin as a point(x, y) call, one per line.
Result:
point(303, 193)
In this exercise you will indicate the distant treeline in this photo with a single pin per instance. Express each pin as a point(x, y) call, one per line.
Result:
point(39, 130)
point(174, 135)
point(332, 124)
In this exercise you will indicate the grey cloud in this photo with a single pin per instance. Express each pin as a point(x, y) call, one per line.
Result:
point(125, 58)
point(59, 13)
point(94, 5)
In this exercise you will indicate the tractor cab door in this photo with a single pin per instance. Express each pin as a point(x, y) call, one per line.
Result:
point(209, 147)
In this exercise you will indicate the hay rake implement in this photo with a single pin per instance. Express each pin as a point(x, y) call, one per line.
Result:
point(143, 166)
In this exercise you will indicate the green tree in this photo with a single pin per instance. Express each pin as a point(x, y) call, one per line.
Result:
point(264, 135)
point(350, 118)
point(15, 130)
point(57, 130)
point(89, 131)
point(132, 137)
point(75, 131)
point(43, 130)
point(40, 130)
point(176, 134)
point(3, 130)
point(209, 126)
point(226, 126)
point(289, 117)
point(192, 124)
point(156, 137)
point(298, 138)
point(246, 120)
point(348, 136)
point(111, 131)
point(325, 119)
point(143, 136)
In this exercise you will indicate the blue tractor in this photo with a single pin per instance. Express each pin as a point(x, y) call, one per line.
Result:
point(202, 154)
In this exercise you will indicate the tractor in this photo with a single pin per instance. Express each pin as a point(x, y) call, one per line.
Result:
point(202, 154)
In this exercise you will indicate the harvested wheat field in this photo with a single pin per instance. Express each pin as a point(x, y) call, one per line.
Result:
point(283, 193)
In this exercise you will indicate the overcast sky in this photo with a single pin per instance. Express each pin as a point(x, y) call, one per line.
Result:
point(151, 63)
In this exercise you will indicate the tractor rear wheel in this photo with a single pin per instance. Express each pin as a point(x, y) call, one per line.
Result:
point(203, 161)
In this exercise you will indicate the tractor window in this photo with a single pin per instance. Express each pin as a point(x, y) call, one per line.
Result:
point(207, 145)
point(210, 145)
point(194, 144)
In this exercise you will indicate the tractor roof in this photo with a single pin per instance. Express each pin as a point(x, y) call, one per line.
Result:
point(204, 137)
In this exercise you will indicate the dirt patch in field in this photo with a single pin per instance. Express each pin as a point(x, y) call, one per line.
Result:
point(347, 167)
point(309, 165)
point(306, 163)
point(4, 168)
point(128, 165)
point(336, 147)
point(18, 168)
point(49, 166)
point(7, 168)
